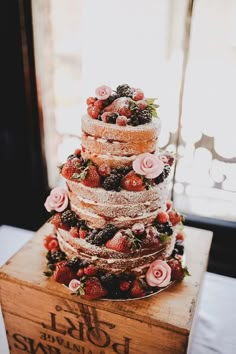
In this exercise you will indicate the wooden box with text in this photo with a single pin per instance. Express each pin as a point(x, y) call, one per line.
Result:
point(42, 317)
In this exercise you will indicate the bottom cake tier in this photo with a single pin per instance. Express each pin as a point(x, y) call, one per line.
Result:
point(114, 263)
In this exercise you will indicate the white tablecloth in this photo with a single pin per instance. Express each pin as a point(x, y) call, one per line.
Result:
point(214, 328)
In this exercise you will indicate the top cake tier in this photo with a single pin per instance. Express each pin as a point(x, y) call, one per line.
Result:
point(119, 126)
point(117, 145)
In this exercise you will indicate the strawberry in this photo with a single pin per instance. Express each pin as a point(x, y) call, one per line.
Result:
point(138, 95)
point(90, 270)
point(82, 233)
point(120, 106)
point(74, 231)
point(132, 182)
point(151, 240)
point(104, 170)
point(93, 289)
point(177, 272)
point(92, 178)
point(93, 111)
point(175, 218)
point(122, 121)
point(119, 242)
point(62, 273)
point(50, 242)
point(90, 100)
point(162, 217)
point(57, 222)
point(70, 168)
point(136, 289)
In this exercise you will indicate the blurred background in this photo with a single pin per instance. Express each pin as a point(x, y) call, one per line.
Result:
point(56, 52)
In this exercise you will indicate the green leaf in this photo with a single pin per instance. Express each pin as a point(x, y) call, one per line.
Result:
point(186, 272)
point(48, 273)
point(150, 100)
point(163, 238)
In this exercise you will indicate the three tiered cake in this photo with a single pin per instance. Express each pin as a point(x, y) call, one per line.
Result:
point(116, 233)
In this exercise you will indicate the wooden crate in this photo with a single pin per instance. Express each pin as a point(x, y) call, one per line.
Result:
point(42, 317)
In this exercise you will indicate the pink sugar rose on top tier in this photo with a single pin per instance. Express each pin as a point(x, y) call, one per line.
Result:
point(158, 274)
point(148, 165)
point(57, 200)
point(103, 92)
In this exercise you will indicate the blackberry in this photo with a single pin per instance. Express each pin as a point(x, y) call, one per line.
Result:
point(124, 91)
point(145, 116)
point(54, 257)
point(91, 235)
point(82, 224)
point(109, 100)
point(140, 116)
point(69, 218)
point(112, 182)
point(112, 118)
point(74, 263)
point(109, 281)
point(121, 170)
point(104, 235)
point(179, 247)
point(164, 229)
point(165, 173)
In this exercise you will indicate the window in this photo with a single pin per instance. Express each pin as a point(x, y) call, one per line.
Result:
point(81, 44)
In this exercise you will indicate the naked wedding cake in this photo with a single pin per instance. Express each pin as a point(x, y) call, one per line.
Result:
point(116, 233)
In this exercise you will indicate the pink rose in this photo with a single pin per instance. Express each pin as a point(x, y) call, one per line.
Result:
point(57, 200)
point(74, 285)
point(148, 165)
point(103, 92)
point(158, 274)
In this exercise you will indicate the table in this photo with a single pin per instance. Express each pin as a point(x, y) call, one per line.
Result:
point(214, 302)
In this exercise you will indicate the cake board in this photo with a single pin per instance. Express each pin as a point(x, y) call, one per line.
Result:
point(41, 316)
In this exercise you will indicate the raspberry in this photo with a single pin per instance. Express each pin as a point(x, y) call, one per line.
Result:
point(125, 285)
point(77, 152)
point(168, 205)
point(74, 231)
point(105, 116)
point(57, 222)
point(98, 104)
point(90, 100)
point(180, 236)
point(104, 170)
point(142, 104)
point(125, 111)
point(50, 243)
point(93, 111)
point(162, 217)
point(138, 95)
point(80, 272)
point(82, 233)
point(122, 120)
